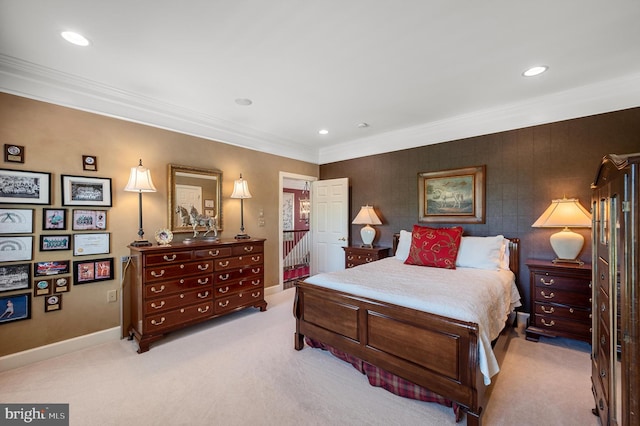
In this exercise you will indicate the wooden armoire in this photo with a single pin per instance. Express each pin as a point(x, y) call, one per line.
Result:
point(615, 352)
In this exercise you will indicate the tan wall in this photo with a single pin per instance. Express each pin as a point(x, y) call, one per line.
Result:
point(55, 138)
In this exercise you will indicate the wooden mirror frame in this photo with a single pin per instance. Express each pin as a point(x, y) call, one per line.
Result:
point(210, 183)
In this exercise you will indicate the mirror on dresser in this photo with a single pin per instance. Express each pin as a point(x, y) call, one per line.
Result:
point(190, 186)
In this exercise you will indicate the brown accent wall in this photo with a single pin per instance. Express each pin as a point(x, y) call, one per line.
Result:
point(55, 138)
point(525, 170)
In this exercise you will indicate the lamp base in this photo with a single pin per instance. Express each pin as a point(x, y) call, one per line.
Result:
point(140, 243)
point(566, 244)
point(576, 261)
point(242, 237)
point(367, 233)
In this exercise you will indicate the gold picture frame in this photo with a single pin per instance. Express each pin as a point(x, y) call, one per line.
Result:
point(452, 196)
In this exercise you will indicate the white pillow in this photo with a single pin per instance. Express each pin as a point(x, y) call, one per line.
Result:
point(504, 256)
point(481, 252)
point(404, 245)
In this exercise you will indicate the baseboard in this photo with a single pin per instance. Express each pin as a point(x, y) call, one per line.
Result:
point(20, 359)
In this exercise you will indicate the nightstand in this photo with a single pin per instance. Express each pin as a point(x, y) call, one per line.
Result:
point(560, 300)
point(354, 256)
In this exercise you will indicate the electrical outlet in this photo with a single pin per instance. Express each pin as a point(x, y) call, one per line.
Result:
point(112, 296)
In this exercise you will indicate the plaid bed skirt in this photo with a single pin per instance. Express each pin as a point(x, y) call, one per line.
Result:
point(390, 382)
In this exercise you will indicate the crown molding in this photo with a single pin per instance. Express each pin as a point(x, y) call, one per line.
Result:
point(607, 96)
point(33, 81)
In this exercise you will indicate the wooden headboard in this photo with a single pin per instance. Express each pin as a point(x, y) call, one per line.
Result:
point(514, 253)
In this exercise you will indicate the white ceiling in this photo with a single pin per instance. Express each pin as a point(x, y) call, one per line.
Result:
point(418, 72)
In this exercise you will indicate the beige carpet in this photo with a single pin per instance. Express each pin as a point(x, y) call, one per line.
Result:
point(243, 370)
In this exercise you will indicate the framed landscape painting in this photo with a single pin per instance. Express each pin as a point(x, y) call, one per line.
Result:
point(452, 196)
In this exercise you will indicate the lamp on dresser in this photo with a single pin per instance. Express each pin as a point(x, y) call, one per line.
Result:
point(565, 213)
point(241, 191)
point(367, 217)
point(140, 181)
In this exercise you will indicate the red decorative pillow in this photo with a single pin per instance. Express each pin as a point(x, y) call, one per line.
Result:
point(436, 247)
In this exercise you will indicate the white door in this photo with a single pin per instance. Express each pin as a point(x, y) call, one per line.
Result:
point(329, 224)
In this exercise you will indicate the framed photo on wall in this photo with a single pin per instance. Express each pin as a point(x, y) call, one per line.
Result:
point(16, 248)
point(15, 277)
point(15, 307)
point(86, 191)
point(23, 187)
point(452, 196)
point(53, 267)
point(91, 271)
point(16, 221)
point(54, 219)
point(13, 153)
point(85, 220)
point(55, 242)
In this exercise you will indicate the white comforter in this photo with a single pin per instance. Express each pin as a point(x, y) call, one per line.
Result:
point(475, 295)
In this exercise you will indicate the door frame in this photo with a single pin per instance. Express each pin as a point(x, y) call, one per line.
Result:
point(282, 176)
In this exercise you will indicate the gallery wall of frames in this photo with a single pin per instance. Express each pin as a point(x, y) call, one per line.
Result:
point(76, 230)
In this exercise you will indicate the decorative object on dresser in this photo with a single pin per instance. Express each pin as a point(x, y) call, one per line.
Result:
point(565, 213)
point(354, 256)
point(615, 350)
point(140, 181)
point(560, 300)
point(183, 284)
point(367, 217)
point(241, 191)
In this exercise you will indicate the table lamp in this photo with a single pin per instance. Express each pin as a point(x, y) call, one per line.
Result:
point(367, 217)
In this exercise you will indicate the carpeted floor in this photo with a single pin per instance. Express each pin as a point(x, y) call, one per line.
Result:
point(243, 370)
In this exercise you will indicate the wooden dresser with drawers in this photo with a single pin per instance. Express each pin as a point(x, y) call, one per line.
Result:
point(181, 284)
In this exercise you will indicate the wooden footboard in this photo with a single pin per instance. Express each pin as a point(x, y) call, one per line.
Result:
point(438, 353)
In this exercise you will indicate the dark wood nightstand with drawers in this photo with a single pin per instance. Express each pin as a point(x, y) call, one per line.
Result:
point(560, 300)
point(354, 256)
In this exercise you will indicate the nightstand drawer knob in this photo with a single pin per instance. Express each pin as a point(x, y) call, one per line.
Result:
point(550, 311)
point(550, 282)
point(551, 324)
point(550, 296)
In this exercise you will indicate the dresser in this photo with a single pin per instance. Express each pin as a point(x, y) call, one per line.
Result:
point(560, 300)
point(615, 351)
point(354, 256)
point(183, 284)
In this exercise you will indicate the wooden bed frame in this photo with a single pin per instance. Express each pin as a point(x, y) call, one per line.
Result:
point(432, 351)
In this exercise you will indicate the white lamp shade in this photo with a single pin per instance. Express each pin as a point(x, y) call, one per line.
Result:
point(240, 189)
point(140, 180)
point(366, 216)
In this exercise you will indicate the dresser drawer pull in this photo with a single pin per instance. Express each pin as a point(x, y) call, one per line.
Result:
point(551, 324)
point(349, 257)
point(255, 271)
point(202, 282)
point(223, 264)
point(256, 282)
point(350, 265)
point(154, 306)
point(214, 253)
point(165, 257)
point(550, 296)
point(223, 305)
point(255, 258)
point(153, 289)
point(368, 259)
point(223, 290)
point(224, 277)
point(203, 267)
point(550, 311)
point(157, 275)
point(203, 295)
point(248, 249)
point(154, 322)
point(255, 295)
point(550, 282)
point(202, 311)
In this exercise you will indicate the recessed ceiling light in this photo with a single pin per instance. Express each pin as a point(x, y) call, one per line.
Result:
point(323, 131)
point(75, 38)
point(533, 71)
point(244, 101)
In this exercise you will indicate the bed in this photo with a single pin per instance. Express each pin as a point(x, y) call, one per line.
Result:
point(446, 356)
